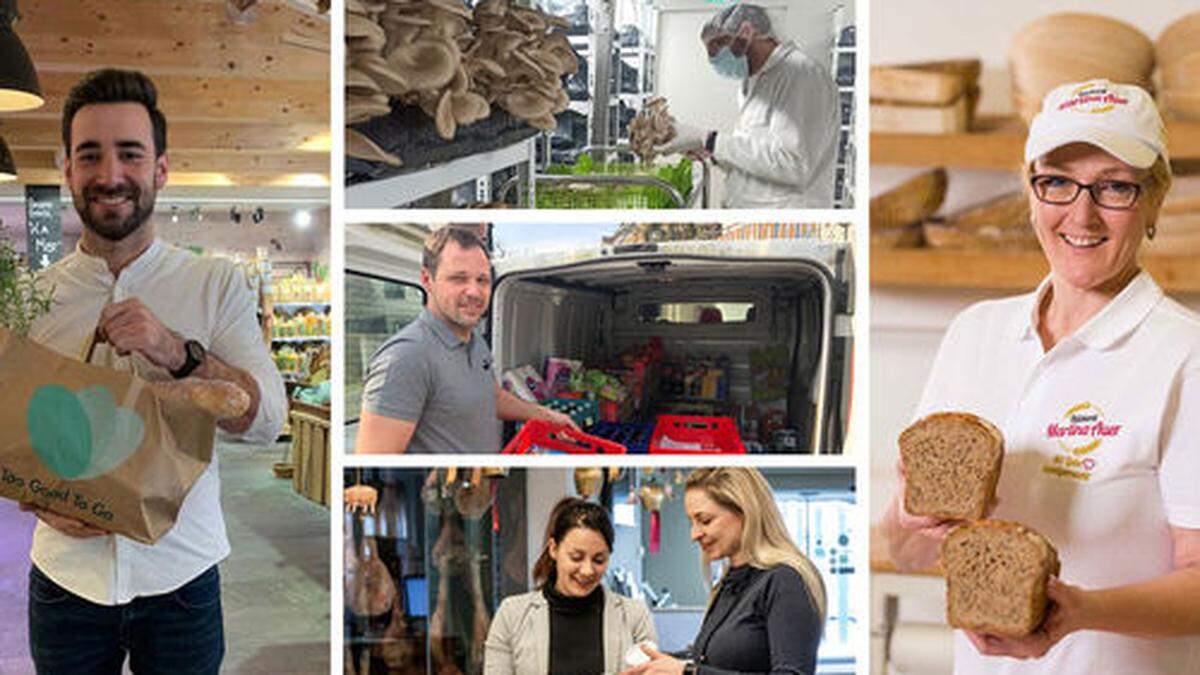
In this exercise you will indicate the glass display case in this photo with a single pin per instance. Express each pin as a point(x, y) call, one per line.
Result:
point(425, 573)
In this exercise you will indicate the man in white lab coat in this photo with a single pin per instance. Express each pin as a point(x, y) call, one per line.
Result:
point(782, 152)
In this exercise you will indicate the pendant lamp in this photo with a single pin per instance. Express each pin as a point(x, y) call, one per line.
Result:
point(19, 89)
point(8, 168)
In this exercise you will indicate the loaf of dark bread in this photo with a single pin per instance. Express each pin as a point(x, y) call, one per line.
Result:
point(951, 465)
point(996, 574)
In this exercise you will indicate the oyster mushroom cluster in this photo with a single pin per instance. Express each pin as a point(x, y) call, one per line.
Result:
point(454, 62)
point(651, 127)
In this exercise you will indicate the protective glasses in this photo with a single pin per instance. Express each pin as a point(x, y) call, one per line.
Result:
point(1118, 195)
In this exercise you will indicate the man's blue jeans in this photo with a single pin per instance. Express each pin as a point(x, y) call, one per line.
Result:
point(179, 632)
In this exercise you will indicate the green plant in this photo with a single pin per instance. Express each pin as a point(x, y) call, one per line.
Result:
point(23, 295)
point(615, 196)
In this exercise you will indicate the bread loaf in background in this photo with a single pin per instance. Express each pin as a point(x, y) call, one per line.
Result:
point(996, 573)
point(951, 465)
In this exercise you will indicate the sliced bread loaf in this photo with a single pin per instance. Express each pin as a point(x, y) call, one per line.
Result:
point(951, 465)
point(996, 573)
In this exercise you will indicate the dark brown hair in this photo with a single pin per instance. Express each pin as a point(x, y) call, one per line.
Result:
point(568, 514)
point(465, 236)
point(115, 86)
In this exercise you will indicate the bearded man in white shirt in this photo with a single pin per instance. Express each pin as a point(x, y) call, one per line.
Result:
point(96, 598)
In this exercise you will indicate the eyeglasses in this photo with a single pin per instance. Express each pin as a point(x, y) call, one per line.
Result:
point(1107, 194)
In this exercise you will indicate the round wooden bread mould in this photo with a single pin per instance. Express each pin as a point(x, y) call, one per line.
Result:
point(1178, 52)
point(1183, 106)
point(1178, 40)
point(1063, 48)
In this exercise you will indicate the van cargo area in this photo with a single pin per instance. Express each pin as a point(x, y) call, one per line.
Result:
point(628, 340)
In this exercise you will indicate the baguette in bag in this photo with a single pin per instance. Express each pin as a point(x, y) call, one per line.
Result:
point(96, 444)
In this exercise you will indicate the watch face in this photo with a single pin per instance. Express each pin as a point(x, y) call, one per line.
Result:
point(195, 351)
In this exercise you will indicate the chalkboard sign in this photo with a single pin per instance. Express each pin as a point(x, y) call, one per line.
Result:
point(43, 225)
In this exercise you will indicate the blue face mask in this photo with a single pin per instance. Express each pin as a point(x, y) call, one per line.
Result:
point(728, 65)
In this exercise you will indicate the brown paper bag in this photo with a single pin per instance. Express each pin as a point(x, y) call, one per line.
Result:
point(94, 443)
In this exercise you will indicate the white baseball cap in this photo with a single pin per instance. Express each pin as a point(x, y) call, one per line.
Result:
point(1120, 119)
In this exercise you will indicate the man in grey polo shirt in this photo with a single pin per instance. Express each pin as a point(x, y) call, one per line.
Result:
point(431, 387)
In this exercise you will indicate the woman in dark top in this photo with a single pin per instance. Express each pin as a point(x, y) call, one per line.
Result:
point(571, 625)
point(768, 610)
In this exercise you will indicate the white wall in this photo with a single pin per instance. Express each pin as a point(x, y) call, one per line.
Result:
point(214, 233)
point(695, 93)
point(543, 489)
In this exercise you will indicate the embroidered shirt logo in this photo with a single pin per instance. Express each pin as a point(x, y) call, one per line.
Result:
point(1080, 431)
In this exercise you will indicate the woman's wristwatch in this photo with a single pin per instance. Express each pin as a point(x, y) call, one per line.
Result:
point(691, 668)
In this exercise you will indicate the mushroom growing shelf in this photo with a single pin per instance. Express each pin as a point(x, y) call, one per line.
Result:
point(405, 188)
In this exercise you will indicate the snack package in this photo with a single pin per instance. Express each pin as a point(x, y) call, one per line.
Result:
point(513, 381)
point(559, 372)
point(533, 381)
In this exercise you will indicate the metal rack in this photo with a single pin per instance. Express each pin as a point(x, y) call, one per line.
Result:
point(416, 185)
point(843, 64)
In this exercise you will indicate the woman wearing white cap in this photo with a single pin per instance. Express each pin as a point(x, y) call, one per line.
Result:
point(1094, 379)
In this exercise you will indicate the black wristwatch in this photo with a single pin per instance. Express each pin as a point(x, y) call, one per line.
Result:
point(194, 354)
point(691, 668)
point(710, 143)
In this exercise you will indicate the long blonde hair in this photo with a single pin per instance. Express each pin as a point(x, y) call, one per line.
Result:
point(765, 539)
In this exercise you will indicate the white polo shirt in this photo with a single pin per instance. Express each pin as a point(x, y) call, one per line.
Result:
point(1102, 452)
point(203, 299)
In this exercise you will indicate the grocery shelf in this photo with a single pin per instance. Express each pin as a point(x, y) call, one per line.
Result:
point(998, 143)
point(1001, 270)
point(301, 338)
point(314, 304)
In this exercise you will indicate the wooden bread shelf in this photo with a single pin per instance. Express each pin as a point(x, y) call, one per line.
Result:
point(1002, 270)
point(998, 143)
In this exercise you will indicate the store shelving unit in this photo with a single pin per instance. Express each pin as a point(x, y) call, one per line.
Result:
point(416, 185)
point(301, 338)
point(997, 143)
point(844, 73)
point(1001, 270)
point(293, 306)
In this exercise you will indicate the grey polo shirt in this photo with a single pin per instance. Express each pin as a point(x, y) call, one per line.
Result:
point(426, 374)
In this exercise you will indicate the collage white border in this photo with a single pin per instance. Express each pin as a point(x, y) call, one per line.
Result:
point(858, 438)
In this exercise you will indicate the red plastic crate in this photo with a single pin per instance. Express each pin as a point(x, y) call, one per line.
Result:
point(543, 435)
point(712, 435)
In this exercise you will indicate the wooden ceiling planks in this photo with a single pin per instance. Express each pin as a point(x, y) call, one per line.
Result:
point(216, 161)
point(239, 99)
point(209, 99)
point(45, 134)
point(195, 37)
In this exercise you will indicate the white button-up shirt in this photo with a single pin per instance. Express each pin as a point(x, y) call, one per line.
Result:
point(783, 150)
point(1102, 451)
point(203, 299)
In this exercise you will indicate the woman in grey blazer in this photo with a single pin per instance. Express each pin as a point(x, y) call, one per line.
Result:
point(571, 624)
